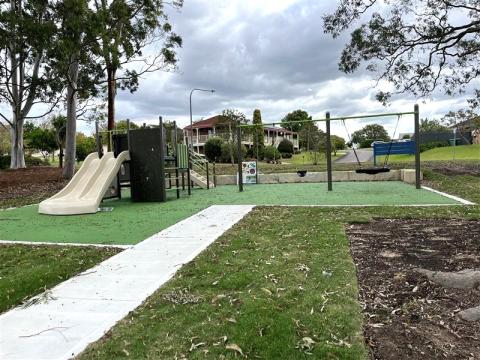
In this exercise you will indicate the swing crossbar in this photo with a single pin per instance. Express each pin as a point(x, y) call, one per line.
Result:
point(338, 118)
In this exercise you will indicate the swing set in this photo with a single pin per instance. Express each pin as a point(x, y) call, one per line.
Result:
point(360, 169)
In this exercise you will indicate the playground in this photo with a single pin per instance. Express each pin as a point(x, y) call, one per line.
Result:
point(245, 270)
point(130, 223)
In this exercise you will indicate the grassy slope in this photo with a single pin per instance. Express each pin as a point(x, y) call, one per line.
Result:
point(463, 152)
point(308, 158)
point(130, 222)
point(28, 270)
point(254, 293)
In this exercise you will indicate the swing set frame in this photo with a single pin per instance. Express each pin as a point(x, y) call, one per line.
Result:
point(328, 119)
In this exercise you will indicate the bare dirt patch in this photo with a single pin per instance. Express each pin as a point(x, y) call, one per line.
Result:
point(32, 184)
point(407, 314)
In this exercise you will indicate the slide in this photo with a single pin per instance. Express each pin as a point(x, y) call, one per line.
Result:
point(85, 191)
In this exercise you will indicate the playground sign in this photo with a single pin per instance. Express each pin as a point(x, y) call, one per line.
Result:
point(249, 172)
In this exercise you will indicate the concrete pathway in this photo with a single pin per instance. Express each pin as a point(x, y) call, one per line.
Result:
point(80, 310)
point(364, 155)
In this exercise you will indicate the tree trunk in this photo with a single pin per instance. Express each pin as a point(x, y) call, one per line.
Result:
point(17, 159)
point(60, 158)
point(112, 89)
point(232, 144)
point(71, 129)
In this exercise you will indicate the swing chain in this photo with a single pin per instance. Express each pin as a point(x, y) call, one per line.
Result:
point(351, 142)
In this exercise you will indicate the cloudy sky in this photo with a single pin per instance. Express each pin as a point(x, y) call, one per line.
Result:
point(271, 55)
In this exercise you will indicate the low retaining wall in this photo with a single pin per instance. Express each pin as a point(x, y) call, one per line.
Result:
point(406, 175)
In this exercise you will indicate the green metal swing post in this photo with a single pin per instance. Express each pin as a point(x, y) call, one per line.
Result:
point(416, 112)
point(329, 154)
point(239, 157)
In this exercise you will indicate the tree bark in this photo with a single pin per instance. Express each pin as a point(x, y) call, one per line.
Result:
point(60, 157)
point(71, 128)
point(111, 89)
point(17, 159)
point(232, 144)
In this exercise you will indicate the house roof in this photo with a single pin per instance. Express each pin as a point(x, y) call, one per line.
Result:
point(212, 121)
point(279, 129)
point(202, 124)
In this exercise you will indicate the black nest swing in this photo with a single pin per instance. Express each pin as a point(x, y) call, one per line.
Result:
point(374, 170)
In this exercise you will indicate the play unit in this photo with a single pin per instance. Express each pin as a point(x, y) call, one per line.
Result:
point(386, 149)
point(148, 160)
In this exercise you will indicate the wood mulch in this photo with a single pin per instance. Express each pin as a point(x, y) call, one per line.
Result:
point(406, 316)
point(34, 183)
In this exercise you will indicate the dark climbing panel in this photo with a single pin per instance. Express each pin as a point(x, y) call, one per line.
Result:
point(147, 166)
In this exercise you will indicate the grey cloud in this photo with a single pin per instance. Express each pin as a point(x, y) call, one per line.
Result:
point(268, 61)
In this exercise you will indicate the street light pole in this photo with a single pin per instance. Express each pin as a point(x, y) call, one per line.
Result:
point(191, 116)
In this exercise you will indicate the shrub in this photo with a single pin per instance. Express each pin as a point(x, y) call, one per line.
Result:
point(285, 147)
point(4, 161)
point(226, 152)
point(271, 154)
point(433, 145)
point(35, 161)
point(213, 148)
point(85, 146)
point(29, 161)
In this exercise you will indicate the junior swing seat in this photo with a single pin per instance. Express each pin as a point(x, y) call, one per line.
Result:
point(373, 171)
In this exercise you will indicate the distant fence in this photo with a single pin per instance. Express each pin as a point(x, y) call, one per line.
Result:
point(387, 148)
point(464, 138)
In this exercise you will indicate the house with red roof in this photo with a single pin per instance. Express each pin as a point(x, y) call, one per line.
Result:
point(204, 129)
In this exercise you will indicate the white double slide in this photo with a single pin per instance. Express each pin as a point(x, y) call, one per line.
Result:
point(85, 191)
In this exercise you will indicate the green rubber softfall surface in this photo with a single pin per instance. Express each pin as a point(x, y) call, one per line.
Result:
point(130, 223)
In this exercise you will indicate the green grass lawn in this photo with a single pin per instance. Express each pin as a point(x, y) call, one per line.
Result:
point(310, 158)
point(27, 270)
point(130, 223)
point(462, 152)
point(275, 281)
point(249, 289)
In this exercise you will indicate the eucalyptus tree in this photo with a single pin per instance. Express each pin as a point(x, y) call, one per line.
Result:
point(418, 46)
point(74, 59)
point(136, 39)
point(26, 29)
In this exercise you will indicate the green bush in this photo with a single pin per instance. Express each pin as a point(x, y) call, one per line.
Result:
point(4, 162)
point(226, 148)
point(213, 148)
point(35, 161)
point(85, 146)
point(29, 161)
point(285, 147)
point(433, 145)
point(271, 154)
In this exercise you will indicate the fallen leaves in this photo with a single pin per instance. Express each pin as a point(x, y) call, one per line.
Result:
point(266, 291)
point(234, 347)
point(218, 298)
point(181, 297)
point(306, 345)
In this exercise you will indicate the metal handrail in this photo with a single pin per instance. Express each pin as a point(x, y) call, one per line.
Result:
point(199, 163)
